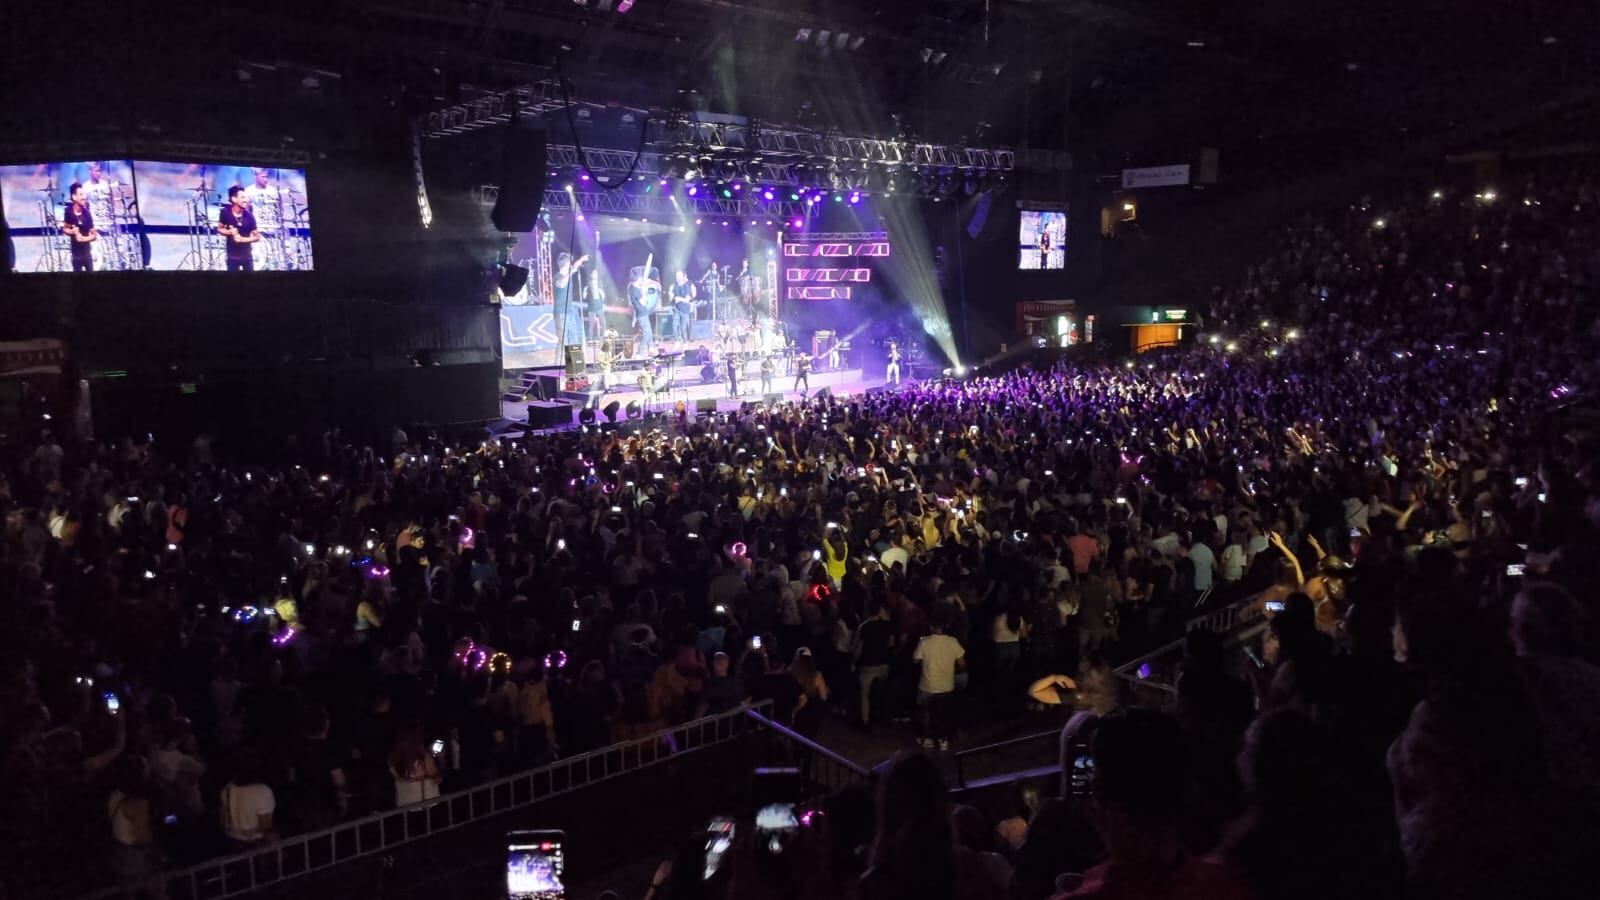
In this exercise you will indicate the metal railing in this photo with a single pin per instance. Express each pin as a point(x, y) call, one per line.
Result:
point(819, 764)
point(962, 756)
point(1239, 622)
point(304, 854)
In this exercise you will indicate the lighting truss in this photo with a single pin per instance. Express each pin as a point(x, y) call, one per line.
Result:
point(533, 99)
point(655, 205)
point(764, 148)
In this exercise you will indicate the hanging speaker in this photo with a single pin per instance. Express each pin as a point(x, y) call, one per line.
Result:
point(513, 279)
point(522, 174)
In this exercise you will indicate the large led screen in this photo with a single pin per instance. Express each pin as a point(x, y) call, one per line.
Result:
point(72, 216)
point(206, 217)
point(1042, 240)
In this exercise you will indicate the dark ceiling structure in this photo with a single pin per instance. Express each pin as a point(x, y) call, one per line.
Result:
point(1100, 78)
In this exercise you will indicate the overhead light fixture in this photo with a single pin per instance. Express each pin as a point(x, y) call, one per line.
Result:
point(1197, 44)
point(624, 6)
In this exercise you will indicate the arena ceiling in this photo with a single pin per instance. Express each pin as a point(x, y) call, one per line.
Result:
point(1055, 74)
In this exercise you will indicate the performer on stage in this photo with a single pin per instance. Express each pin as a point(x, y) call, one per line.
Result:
point(595, 308)
point(683, 304)
point(572, 313)
point(100, 193)
point(644, 294)
point(78, 223)
point(802, 371)
point(766, 373)
point(239, 225)
point(733, 376)
point(892, 376)
point(266, 204)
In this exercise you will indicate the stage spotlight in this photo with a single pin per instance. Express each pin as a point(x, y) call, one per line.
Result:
point(611, 409)
point(699, 221)
point(584, 177)
point(681, 228)
point(738, 186)
point(727, 194)
point(635, 411)
point(793, 196)
point(855, 197)
point(767, 194)
point(838, 198)
point(569, 187)
point(693, 189)
point(586, 416)
point(798, 222)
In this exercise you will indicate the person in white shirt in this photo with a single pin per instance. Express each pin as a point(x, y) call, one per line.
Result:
point(941, 656)
point(266, 203)
point(1234, 559)
point(247, 807)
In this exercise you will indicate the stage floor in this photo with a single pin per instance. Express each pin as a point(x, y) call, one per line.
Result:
point(841, 383)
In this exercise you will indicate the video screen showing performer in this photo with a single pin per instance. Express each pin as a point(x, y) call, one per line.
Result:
point(1042, 240)
point(55, 228)
point(193, 213)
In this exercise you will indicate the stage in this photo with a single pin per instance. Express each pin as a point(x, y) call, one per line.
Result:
point(688, 388)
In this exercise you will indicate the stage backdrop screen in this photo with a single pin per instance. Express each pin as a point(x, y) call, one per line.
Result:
point(194, 225)
point(1042, 240)
point(46, 227)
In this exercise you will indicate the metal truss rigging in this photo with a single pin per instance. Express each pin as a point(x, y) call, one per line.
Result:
point(657, 206)
point(763, 147)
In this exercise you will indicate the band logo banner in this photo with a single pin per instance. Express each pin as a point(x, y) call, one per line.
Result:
point(1156, 176)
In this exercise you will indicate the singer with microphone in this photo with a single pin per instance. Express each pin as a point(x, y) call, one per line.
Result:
point(78, 223)
point(239, 225)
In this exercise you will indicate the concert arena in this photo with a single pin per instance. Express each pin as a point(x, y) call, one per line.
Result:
point(805, 449)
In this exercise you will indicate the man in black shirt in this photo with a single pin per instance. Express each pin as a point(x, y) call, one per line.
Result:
point(802, 373)
point(683, 297)
point(873, 650)
point(733, 375)
point(238, 224)
point(78, 224)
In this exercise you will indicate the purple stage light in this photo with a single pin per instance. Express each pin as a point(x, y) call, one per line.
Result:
point(854, 198)
point(624, 6)
point(694, 189)
point(584, 177)
point(663, 182)
point(737, 186)
point(767, 194)
point(799, 223)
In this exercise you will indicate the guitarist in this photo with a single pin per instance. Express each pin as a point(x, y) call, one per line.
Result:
point(569, 313)
point(644, 294)
point(683, 304)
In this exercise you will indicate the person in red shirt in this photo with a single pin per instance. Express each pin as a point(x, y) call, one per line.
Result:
point(1135, 797)
point(1084, 549)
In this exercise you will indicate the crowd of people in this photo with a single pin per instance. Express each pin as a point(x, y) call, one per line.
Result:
point(1375, 444)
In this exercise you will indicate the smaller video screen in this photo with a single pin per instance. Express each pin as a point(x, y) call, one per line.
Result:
point(66, 217)
point(534, 870)
point(1042, 240)
point(211, 217)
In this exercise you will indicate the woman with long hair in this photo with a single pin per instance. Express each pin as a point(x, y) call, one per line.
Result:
point(413, 768)
point(915, 855)
point(814, 698)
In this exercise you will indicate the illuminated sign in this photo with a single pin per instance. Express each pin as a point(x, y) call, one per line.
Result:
point(818, 293)
point(836, 249)
point(1176, 314)
point(827, 275)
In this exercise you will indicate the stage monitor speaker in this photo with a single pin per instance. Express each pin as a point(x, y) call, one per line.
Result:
point(546, 387)
point(513, 279)
point(574, 358)
point(549, 414)
point(522, 174)
point(705, 405)
point(612, 409)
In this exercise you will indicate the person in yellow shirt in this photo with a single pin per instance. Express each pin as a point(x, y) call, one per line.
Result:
point(835, 553)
